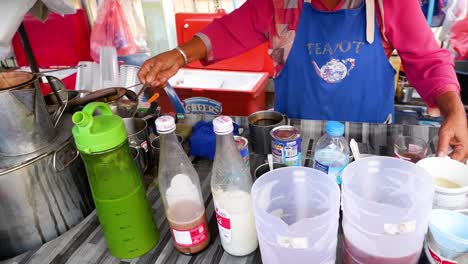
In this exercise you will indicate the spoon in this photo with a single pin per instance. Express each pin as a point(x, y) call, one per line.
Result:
point(143, 89)
point(270, 161)
point(355, 149)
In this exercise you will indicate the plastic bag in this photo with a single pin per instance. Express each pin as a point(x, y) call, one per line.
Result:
point(63, 7)
point(136, 21)
point(459, 39)
point(12, 13)
point(111, 28)
point(455, 11)
point(6, 52)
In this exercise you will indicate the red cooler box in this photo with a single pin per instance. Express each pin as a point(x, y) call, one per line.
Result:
point(212, 91)
point(234, 86)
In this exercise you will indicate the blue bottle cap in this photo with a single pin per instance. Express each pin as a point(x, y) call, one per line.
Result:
point(334, 128)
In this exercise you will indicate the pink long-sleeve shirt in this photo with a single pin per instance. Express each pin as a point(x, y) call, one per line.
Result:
point(428, 67)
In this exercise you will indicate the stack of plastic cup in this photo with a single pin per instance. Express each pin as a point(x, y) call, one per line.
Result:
point(109, 67)
point(88, 76)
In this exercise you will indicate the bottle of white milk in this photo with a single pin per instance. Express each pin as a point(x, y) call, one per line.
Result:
point(230, 184)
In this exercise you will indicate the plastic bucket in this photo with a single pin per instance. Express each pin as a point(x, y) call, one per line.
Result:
point(449, 171)
point(386, 207)
point(296, 213)
point(449, 229)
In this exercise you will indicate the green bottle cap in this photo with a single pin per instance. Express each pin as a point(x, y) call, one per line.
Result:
point(97, 133)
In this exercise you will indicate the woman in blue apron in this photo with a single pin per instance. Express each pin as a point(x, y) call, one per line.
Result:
point(336, 69)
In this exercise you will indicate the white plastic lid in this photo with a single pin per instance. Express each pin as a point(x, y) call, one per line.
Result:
point(165, 124)
point(223, 125)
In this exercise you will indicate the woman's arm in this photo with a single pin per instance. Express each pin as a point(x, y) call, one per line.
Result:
point(231, 35)
point(429, 69)
point(157, 70)
point(243, 29)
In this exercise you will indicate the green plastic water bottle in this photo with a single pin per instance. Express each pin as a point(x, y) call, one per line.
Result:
point(122, 207)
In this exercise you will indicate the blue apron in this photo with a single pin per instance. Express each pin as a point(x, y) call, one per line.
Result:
point(333, 73)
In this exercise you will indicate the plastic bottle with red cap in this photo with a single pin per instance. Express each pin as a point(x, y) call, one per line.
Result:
point(231, 183)
point(179, 185)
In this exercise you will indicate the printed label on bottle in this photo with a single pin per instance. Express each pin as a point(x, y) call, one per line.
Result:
point(319, 166)
point(245, 156)
point(439, 259)
point(335, 172)
point(224, 224)
point(192, 237)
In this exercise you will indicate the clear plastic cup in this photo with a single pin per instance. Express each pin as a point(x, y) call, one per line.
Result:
point(88, 76)
point(410, 148)
point(109, 67)
point(129, 76)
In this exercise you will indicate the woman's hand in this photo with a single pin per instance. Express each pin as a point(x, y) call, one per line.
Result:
point(157, 70)
point(160, 68)
point(454, 130)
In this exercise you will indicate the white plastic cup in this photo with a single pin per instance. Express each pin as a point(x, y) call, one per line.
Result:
point(453, 171)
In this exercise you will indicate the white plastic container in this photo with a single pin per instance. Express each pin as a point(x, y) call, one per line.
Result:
point(296, 213)
point(198, 88)
point(386, 208)
point(447, 239)
point(453, 171)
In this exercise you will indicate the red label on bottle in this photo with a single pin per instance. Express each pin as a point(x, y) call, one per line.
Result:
point(223, 219)
point(439, 259)
point(224, 224)
point(189, 238)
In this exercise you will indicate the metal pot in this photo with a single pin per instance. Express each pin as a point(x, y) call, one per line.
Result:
point(137, 130)
point(53, 104)
point(123, 102)
point(26, 126)
point(260, 125)
point(43, 197)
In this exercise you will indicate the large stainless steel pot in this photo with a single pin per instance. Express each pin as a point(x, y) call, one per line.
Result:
point(26, 126)
point(42, 197)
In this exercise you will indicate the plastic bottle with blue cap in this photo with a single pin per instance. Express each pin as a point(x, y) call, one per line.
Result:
point(332, 151)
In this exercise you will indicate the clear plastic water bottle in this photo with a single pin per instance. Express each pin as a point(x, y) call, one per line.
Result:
point(332, 151)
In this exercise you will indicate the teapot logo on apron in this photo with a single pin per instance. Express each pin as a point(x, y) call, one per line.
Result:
point(334, 71)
